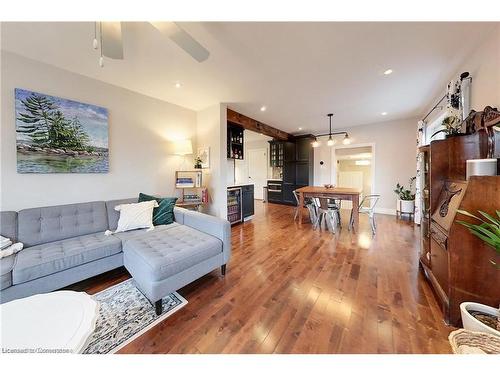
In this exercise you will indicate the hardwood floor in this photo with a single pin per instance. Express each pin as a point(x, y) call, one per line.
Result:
point(289, 289)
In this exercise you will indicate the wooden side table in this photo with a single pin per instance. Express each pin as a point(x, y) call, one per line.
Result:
point(194, 206)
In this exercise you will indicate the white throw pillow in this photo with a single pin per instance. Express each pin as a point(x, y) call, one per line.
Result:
point(135, 216)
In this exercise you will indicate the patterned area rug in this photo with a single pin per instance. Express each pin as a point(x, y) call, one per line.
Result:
point(125, 314)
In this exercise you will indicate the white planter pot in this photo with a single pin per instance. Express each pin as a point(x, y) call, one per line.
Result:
point(406, 207)
point(471, 323)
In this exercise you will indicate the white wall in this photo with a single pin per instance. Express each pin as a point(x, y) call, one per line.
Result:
point(212, 132)
point(483, 65)
point(394, 157)
point(141, 130)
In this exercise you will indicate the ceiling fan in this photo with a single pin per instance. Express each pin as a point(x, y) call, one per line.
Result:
point(111, 42)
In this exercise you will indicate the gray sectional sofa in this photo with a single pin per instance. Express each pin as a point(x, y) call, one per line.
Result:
point(66, 244)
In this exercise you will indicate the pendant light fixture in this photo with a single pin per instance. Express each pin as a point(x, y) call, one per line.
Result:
point(330, 135)
point(330, 141)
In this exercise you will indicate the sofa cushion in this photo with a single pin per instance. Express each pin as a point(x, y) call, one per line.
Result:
point(46, 259)
point(125, 236)
point(49, 224)
point(164, 213)
point(8, 225)
point(114, 216)
point(6, 265)
point(162, 254)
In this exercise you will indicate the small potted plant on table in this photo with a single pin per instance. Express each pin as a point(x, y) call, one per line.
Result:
point(406, 198)
point(476, 316)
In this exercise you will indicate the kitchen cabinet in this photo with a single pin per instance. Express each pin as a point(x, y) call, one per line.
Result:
point(248, 200)
point(298, 167)
point(235, 140)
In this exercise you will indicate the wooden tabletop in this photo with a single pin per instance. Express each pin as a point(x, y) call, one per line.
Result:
point(323, 190)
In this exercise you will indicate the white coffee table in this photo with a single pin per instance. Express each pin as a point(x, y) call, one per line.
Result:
point(53, 322)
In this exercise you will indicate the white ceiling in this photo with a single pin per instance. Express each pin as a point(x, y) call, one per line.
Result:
point(299, 71)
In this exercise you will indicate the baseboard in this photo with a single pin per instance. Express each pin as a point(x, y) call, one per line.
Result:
point(385, 211)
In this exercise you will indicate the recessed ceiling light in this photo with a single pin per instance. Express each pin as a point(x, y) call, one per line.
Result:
point(384, 113)
point(300, 128)
point(177, 85)
point(388, 71)
point(263, 108)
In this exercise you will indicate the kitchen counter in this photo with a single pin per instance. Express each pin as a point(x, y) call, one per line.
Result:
point(275, 179)
point(238, 185)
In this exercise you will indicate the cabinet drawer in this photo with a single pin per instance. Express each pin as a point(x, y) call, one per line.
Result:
point(439, 265)
point(439, 237)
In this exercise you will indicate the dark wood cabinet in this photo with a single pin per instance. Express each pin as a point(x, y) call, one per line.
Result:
point(276, 153)
point(457, 263)
point(235, 140)
point(248, 200)
point(303, 149)
point(302, 173)
point(298, 167)
point(287, 194)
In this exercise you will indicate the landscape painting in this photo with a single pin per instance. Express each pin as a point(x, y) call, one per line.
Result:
point(56, 135)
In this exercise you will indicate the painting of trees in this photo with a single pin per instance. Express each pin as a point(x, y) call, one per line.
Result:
point(57, 135)
point(47, 126)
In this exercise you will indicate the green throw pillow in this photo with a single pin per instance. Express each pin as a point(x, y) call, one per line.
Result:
point(164, 213)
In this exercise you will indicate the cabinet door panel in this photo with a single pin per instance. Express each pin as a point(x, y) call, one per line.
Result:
point(302, 173)
point(288, 193)
point(248, 202)
point(289, 172)
point(303, 149)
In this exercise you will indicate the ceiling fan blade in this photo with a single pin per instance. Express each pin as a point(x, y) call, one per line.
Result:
point(183, 40)
point(112, 43)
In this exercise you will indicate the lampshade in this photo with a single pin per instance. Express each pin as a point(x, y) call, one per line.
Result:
point(183, 147)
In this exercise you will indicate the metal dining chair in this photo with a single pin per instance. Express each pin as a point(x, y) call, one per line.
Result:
point(369, 210)
point(326, 214)
point(308, 204)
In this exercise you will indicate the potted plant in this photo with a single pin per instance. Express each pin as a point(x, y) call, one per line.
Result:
point(452, 126)
point(406, 197)
point(476, 316)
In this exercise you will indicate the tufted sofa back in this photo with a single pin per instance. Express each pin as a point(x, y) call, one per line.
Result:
point(48, 224)
point(113, 215)
point(8, 224)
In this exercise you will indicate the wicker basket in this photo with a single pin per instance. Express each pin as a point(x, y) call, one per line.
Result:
point(467, 342)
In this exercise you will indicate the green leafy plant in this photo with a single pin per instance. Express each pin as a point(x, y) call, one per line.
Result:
point(403, 193)
point(452, 125)
point(488, 230)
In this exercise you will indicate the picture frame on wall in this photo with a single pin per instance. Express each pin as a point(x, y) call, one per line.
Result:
point(57, 135)
point(204, 155)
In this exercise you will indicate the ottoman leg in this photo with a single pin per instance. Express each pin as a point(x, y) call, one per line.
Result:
point(158, 307)
point(223, 269)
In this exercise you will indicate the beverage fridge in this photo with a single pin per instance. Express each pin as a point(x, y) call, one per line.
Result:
point(234, 207)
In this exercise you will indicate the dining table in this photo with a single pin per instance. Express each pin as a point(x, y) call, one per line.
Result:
point(343, 193)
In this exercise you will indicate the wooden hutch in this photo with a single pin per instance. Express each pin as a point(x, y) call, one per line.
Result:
point(456, 263)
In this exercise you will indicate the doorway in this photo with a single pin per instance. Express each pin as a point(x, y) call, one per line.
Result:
point(353, 166)
point(257, 170)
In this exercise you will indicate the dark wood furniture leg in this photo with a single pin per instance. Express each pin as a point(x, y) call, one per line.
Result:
point(158, 307)
point(223, 270)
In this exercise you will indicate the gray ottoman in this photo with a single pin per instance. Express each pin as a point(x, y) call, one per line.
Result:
point(169, 257)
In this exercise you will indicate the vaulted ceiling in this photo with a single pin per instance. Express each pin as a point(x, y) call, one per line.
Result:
point(299, 71)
